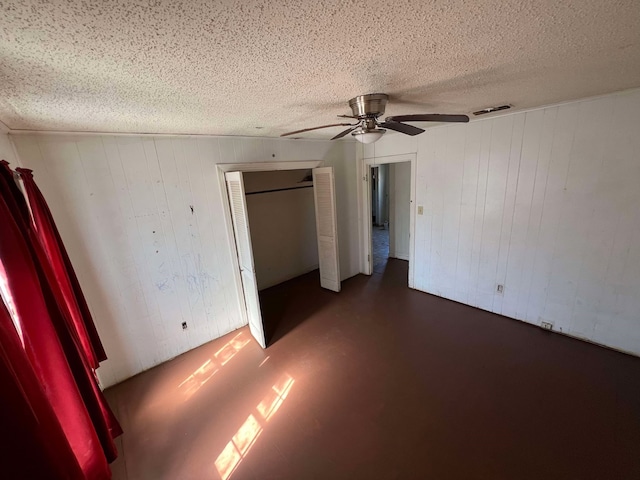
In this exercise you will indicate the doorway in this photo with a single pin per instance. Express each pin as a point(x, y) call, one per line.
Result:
point(380, 217)
point(232, 189)
point(281, 214)
point(388, 203)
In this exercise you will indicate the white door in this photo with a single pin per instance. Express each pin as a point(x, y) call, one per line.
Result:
point(238, 204)
point(327, 228)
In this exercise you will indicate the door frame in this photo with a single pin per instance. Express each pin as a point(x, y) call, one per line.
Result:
point(365, 214)
point(223, 168)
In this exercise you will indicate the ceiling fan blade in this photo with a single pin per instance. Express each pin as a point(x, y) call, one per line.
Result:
point(317, 128)
point(402, 128)
point(347, 116)
point(345, 132)
point(429, 117)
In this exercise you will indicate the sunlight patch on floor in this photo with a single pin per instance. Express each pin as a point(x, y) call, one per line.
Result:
point(238, 447)
point(208, 369)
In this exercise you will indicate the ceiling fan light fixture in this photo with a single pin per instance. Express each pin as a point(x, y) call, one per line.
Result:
point(367, 109)
point(368, 136)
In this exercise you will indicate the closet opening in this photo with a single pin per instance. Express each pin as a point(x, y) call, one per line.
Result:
point(283, 223)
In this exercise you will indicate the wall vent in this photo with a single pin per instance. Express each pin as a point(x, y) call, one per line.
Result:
point(484, 111)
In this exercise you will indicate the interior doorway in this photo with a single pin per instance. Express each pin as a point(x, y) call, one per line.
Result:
point(380, 217)
point(388, 200)
point(239, 231)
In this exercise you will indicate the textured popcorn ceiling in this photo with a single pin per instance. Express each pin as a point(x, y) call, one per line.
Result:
point(214, 67)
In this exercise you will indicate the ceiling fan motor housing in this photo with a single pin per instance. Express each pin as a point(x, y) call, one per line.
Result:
point(368, 106)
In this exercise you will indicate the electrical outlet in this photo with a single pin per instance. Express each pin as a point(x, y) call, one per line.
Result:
point(420, 209)
point(500, 289)
point(184, 325)
point(547, 325)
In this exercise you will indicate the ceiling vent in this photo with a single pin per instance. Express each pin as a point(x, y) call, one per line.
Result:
point(484, 111)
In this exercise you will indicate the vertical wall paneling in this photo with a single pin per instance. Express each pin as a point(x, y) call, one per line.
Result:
point(623, 269)
point(600, 235)
point(143, 221)
point(227, 302)
point(506, 226)
point(468, 195)
point(425, 185)
point(436, 192)
point(497, 172)
point(531, 282)
point(102, 167)
point(543, 203)
point(561, 152)
point(452, 173)
point(514, 293)
point(6, 149)
point(478, 220)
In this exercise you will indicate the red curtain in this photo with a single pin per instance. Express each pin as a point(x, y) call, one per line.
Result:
point(34, 444)
point(69, 295)
point(60, 341)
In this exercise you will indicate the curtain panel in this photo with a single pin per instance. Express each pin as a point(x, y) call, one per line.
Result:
point(59, 339)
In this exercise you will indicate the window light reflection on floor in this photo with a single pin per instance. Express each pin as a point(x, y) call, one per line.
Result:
point(238, 447)
point(240, 444)
point(272, 402)
point(198, 378)
point(232, 347)
point(209, 368)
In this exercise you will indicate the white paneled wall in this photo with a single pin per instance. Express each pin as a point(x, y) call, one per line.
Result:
point(142, 219)
point(6, 149)
point(399, 209)
point(283, 235)
point(546, 203)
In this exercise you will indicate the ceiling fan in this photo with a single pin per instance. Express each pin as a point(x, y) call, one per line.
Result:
point(366, 110)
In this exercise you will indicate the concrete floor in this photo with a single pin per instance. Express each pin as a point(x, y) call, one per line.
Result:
point(382, 382)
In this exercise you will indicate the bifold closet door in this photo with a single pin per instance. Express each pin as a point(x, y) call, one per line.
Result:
point(326, 227)
point(239, 216)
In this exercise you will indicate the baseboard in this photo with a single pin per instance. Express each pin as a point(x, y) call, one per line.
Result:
point(400, 256)
point(534, 325)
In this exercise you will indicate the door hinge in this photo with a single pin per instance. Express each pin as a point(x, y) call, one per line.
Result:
point(365, 178)
point(369, 258)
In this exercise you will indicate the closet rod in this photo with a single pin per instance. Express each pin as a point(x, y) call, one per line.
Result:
point(279, 190)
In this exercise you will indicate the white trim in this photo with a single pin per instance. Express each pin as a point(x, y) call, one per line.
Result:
point(148, 134)
point(400, 257)
point(365, 207)
point(268, 166)
point(223, 168)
